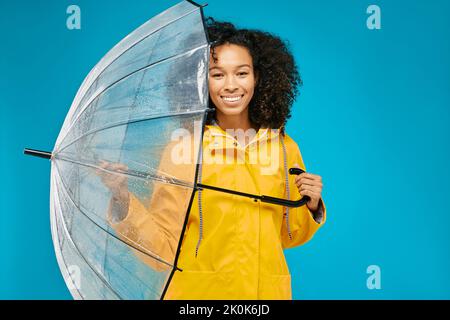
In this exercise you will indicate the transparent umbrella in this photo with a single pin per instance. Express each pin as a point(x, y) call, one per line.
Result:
point(150, 85)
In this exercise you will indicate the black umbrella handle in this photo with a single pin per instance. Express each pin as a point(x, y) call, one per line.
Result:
point(288, 203)
point(298, 171)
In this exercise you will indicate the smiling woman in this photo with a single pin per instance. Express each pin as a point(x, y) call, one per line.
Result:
point(232, 247)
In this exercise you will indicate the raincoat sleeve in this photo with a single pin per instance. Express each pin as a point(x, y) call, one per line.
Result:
point(303, 223)
point(155, 225)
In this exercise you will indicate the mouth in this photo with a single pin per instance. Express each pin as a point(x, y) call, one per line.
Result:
point(232, 100)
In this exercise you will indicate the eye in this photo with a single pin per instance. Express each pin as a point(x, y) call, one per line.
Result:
point(243, 73)
point(217, 75)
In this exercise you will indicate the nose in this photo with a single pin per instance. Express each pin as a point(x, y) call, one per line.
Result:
point(230, 85)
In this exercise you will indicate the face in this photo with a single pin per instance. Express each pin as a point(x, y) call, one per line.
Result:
point(231, 80)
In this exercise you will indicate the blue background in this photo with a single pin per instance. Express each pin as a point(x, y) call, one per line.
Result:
point(372, 120)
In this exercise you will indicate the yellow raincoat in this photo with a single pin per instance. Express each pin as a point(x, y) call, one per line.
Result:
point(232, 246)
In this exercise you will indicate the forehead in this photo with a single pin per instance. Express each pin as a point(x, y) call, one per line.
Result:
point(231, 56)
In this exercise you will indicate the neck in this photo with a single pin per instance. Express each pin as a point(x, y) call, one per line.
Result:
point(234, 122)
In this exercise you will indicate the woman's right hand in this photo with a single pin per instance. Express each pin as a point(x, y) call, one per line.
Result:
point(118, 185)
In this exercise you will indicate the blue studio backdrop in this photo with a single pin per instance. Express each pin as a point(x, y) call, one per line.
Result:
point(372, 119)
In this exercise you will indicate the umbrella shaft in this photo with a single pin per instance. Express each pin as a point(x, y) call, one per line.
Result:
point(267, 199)
point(248, 195)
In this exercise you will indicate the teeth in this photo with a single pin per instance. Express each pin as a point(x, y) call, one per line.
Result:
point(232, 99)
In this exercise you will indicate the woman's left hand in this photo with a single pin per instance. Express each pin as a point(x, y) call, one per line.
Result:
point(310, 185)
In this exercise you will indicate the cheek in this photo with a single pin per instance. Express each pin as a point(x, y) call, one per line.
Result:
point(213, 92)
point(212, 87)
point(250, 86)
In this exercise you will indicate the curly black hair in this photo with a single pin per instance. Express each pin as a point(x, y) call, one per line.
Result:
point(274, 66)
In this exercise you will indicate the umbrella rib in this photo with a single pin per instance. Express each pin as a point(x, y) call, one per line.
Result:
point(128, 75)
point(134, 173)
point(128, 121)
point(134, 246)
point(69, 237)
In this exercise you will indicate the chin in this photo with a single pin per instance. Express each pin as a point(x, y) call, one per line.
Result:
point(231, 111)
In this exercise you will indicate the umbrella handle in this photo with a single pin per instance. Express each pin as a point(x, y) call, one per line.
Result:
point(288, 203)
point(298, 171)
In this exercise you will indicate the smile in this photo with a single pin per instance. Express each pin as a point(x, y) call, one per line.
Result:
point(232, 98)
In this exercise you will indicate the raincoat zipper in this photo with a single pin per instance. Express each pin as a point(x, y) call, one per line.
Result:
point(200, 207)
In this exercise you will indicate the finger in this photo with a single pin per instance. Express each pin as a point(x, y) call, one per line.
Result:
point(300, 176)
point(113, 166)
point(118, 166)
point(317, 192)
point(309, 183)
point(312, 195)
point(310, 187)
point(104, 173)
point(106, 165)
point(311, 176)
point(99, 170)
point(123, 167)
point(316, 189)
point(315, 181)
point(110, 166)
point(308, 180)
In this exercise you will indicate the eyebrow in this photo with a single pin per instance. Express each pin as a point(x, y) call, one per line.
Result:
point(242, 65)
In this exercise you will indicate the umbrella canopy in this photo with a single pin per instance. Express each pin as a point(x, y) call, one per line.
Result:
point(150, 85)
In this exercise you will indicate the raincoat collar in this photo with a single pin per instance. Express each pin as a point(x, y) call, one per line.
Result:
point(213, 131)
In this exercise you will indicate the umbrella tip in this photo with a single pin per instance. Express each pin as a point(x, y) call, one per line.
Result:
point(37, 153)
point(197, 4)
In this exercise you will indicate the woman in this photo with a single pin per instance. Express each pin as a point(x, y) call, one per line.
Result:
point(232, 247)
